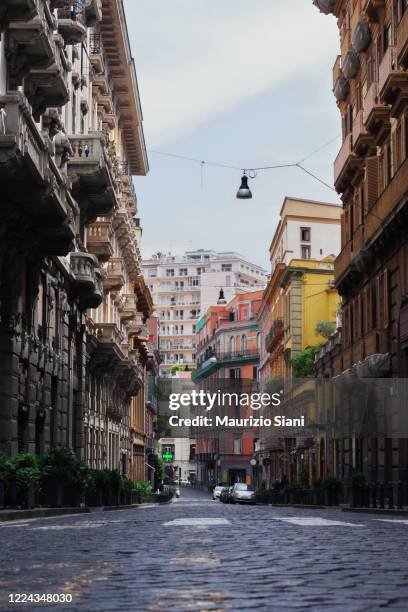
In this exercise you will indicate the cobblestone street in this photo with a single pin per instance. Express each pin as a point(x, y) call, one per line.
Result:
point(196, 554)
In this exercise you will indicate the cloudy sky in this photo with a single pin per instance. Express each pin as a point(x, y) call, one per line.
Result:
point(243, 83)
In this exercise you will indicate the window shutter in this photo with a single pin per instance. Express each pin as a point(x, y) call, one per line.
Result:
point(371, 181)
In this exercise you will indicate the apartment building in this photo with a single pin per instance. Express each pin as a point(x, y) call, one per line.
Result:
point(228, 358)
point(370, 172)
point(184, 286)
point(300, 293)
point(72, 297)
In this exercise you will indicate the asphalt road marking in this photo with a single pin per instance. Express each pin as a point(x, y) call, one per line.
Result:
point(194, 522)
point(311, 521)
point(403, 521)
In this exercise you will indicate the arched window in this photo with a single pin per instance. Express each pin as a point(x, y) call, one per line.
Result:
point(243, 343)
point(232, 344)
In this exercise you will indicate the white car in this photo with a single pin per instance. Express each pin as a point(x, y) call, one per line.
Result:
point(217, 491)
point(243, 493)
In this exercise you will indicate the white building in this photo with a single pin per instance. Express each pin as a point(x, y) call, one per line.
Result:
point(184, 286)
point(306, 230)
point(179, 457)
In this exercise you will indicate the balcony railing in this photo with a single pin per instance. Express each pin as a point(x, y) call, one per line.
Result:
point(99, 239)
point(361, 137)
point(114, 279)
point(32, 176)
point(343, 260)
point(374, 111)
point(92, 173)
point(344, 162)
point(242, 355)
point(87, 280)
point(72, 22)
point(274, 334)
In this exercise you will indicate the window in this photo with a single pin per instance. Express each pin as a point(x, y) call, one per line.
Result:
point(183, 272)
point(170, 272)
point(243, 343)
point(237, 446)
point(305, 252)
point(305, 234)
point(226, 267)
point(232, 344)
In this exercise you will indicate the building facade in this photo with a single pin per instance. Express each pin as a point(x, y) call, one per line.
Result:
point(300, 293)
point(184, 286)
point(72, 297)
point(228, 358)
point(370, 173)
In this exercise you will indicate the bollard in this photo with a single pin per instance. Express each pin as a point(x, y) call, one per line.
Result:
point(400, 501)
point(390, 496)
point(382, 495)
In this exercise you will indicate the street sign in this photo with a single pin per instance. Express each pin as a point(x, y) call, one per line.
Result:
point(253, 462)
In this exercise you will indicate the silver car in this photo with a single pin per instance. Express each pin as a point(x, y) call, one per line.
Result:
point(217, 491)
point(243, 493)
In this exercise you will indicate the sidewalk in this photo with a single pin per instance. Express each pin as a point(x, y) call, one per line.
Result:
point(15, 515)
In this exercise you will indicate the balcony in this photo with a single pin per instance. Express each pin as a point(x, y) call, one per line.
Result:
point(274, 335)
point(86, 286)
point(99, 239)
point(361, 138)
point(343, 261)
point(243, 356)
point(72, 23)
point(93, 12)
point(345, 164)
point(97, 54)
point(34, 60)
point(31, 181)
point(114, 279)
point(127, 309)
point(391, 201)
point(92, 174)
point(376, 114)
point(391, 81)
point(107, 351)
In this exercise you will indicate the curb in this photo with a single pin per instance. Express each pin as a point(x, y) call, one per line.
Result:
point(14, 515)
point(311, 506)
point(400, 512)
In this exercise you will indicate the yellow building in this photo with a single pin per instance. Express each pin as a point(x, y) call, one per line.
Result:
point(309, 297)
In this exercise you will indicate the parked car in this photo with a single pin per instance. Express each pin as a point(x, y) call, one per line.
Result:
point(242, 493)
point(217, 491)
point(225, 496)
